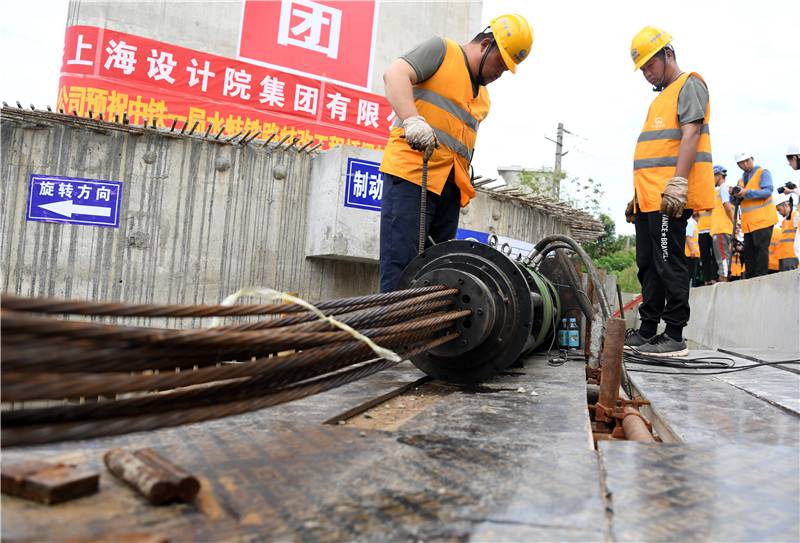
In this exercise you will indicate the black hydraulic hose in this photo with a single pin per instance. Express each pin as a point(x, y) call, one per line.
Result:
point(593, 275)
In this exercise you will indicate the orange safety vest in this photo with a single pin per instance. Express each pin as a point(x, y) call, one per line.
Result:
point(720, 222)
point(788, 234)
point(447, 103)
point(737, 268)
point(774, 241)
point(692, 248)
point(656, 154)
point(704, 222)
point(756, 213)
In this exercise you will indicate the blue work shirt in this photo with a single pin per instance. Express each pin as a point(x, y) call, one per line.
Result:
point(766, 184)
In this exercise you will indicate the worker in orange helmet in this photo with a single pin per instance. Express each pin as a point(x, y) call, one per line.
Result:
point(672, 177)
point(438, 92)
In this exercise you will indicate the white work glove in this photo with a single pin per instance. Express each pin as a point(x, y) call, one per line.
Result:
point(673, 199)
point(419, 133)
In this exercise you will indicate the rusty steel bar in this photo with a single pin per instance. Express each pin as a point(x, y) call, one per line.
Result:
point(270, 339)
point(45, 305)
point(48, 433)
point(30, 386)
point(24, 352)
point(270, 374)
point(225, 345)
point(611, 369)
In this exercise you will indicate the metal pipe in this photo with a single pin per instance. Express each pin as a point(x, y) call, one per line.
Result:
point(633, 425)
point(611, 366)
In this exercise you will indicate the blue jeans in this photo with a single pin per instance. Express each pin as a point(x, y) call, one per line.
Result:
point(400, 224)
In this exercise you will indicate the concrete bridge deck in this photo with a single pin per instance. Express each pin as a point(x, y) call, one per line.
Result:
point(511, 460)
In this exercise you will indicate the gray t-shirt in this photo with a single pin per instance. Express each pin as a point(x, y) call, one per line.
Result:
point(692, 101)
point(426, 57)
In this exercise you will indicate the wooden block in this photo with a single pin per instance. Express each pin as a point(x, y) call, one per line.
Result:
point(48, 483)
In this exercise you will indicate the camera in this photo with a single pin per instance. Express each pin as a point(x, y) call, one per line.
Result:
point(735, 190)
point(789, 185)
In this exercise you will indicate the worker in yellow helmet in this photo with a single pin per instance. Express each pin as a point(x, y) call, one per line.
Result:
point(438, 92)
point(672, 177)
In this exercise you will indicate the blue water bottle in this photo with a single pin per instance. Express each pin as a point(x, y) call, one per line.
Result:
point(563, 340)
point(573, 334)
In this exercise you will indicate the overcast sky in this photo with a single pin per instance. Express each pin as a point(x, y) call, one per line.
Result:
point(579, 73)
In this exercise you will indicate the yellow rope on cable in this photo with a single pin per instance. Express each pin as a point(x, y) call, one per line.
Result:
point(272, 294)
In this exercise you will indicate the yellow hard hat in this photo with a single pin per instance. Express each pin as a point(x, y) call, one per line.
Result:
point(514, 37)
point(646, 43)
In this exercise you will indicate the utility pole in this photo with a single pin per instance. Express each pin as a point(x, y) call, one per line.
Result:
point(559, 141)
point(559, 154)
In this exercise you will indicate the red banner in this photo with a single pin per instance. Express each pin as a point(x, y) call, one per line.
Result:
point(111, 73)
point(330, 39)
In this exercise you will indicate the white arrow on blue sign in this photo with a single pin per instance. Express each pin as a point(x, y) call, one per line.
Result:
point(74, 200)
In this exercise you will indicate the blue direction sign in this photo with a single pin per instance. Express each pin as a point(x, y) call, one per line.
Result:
point(364, 185)
point(73, 200)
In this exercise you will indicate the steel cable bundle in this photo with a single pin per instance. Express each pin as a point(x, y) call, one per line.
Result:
point(110, 379)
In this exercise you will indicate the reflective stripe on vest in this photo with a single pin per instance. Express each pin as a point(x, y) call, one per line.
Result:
point(758, 213)
point(446, 104)
point(657, 150)
point(664, 161)
point(670, 134)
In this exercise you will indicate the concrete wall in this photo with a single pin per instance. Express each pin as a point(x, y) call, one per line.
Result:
point(214, 26)
point(199, 219)
point(761, 312)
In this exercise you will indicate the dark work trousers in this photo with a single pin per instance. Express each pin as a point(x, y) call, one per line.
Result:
point(400, 224)
point(707, 261)
point(756, 252)
point(663, 272)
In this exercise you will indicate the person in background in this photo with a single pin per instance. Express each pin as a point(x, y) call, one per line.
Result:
point(787, 251)
point(753, 192)
point(692, 248)
point(793, 157)
point(721, 228)
point(737, 267)
point(708, 265)
point(774, 241)
point(673, 175)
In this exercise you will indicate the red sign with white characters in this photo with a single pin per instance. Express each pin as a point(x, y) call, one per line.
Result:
point(110, 73)
point(328, 39)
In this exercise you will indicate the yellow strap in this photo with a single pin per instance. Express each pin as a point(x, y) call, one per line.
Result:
point(282, 296)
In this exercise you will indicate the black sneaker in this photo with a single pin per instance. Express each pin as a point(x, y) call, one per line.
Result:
point(634, 340)
point(663, 346)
